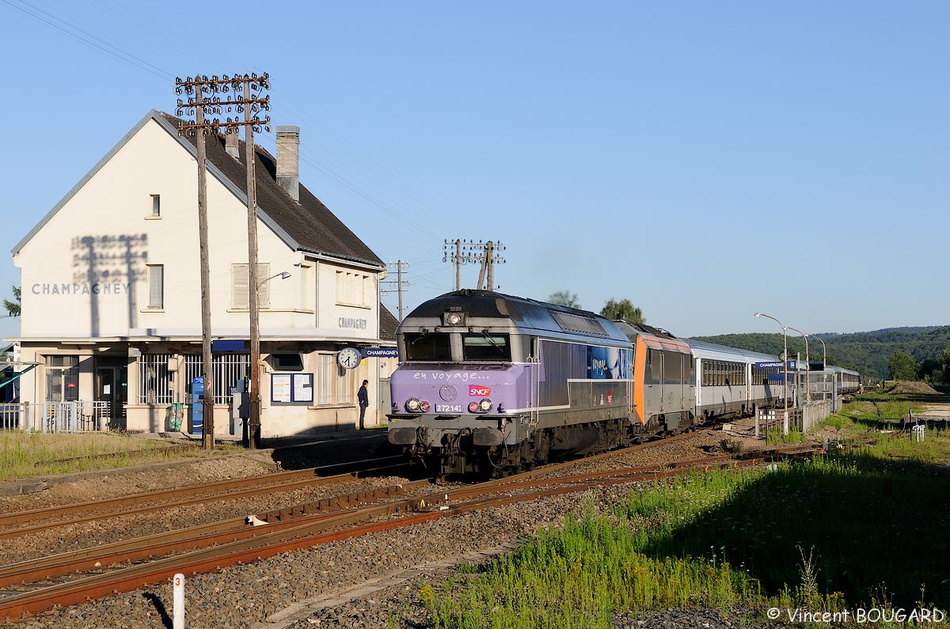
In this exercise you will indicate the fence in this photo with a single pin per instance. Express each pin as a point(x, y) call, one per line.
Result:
point(814, 412)
point(803, 418)
point(769, 419)
point(55, 416)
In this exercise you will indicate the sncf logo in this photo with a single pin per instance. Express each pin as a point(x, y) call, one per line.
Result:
point(475, 391)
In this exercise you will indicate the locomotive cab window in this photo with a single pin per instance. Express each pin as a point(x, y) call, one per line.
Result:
point(426, 346)
point(486, 346)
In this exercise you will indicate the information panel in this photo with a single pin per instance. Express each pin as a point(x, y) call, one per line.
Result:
point(291, 388)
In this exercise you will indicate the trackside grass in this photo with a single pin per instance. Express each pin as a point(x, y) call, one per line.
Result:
point(826, 535)
point(26, 455)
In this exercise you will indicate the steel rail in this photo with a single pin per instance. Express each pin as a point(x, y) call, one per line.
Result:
point(200, 536)
point(17, 517)
point(229, 490)
point(300, 535)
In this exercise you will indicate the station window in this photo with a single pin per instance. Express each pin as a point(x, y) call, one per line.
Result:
point(156, 286)
point(287, 362)
point(156, 209)
point(62, 378)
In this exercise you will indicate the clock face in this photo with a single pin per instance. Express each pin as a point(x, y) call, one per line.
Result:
point(349, 358)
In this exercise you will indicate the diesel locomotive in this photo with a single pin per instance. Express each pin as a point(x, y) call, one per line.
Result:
point(491, 383)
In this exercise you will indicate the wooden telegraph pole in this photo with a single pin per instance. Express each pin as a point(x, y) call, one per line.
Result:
point(248, 99)
point(466, 251)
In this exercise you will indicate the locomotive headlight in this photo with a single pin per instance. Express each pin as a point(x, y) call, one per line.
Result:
point(415, 405)
point(482, 406)
point(454, 319)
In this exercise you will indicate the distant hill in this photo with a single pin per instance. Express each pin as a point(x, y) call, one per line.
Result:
point(866, 352)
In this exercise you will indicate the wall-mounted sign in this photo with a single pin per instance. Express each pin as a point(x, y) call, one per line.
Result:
point(229, 345)
point(352, 323)
point(82, 288)
point(380, 352)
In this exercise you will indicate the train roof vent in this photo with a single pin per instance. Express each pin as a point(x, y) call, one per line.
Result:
point(578, 324)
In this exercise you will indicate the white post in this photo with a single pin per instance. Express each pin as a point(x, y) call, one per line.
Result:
point(178, 601)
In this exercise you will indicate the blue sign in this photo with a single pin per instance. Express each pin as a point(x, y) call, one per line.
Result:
point(229, 345)
point(777, 364)
point(380, 352)
point(197, 405)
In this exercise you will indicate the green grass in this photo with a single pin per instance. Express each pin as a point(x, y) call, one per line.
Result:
point(26, 455)
point(866, 528)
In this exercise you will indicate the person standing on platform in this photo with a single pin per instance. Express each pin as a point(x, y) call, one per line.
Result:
point(363, 396)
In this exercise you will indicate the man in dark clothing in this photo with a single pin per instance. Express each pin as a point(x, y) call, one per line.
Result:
point(363, 396)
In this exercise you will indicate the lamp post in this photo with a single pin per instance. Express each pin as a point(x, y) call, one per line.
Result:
point(824, 354)
point(254, 394)
point(784, 363)
point(824, 367)
point(807, 364)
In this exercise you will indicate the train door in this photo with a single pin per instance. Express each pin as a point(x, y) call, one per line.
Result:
point(653, 384)
point(689, 383)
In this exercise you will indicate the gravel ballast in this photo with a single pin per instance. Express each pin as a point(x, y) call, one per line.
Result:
point(370, 581)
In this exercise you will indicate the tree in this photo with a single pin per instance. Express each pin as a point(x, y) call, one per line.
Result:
point(623, 310)
point(13, 307)
point(902, 366)
point(564, 298)
point(944, 360)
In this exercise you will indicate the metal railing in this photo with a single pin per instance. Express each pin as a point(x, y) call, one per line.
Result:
point(78, 416)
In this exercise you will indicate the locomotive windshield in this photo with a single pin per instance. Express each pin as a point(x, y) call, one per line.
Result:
point(426, 346)
point(486, 346)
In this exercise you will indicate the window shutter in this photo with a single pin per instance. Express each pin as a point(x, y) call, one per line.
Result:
point(263, 294)
point(239, 286)
point(240, 295)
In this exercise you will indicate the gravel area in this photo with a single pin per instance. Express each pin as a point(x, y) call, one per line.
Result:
point(371, 581)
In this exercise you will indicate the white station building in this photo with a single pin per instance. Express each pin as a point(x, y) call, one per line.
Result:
point(110, 290)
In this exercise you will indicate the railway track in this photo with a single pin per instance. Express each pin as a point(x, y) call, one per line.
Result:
point(212, 547)
point(148, 502)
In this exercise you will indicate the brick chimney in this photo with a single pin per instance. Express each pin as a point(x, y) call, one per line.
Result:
point(288, 160)
point(231, 144)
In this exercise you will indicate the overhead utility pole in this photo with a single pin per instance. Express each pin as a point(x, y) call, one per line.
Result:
point(242, 94)
point(399, 283)
point(469, 251)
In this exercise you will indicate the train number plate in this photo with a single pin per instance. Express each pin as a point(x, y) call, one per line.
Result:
point(448, 408)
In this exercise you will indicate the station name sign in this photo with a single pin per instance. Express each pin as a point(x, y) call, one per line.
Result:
point(380, 352)
point(777, 364)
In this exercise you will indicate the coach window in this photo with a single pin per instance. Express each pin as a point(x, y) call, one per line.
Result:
point(486, 346)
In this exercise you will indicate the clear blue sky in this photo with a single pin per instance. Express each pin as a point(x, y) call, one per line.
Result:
point(703, 159)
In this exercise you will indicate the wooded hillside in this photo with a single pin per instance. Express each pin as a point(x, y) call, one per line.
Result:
point(866, 352)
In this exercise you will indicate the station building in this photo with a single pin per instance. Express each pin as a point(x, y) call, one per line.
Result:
point(111, 295)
